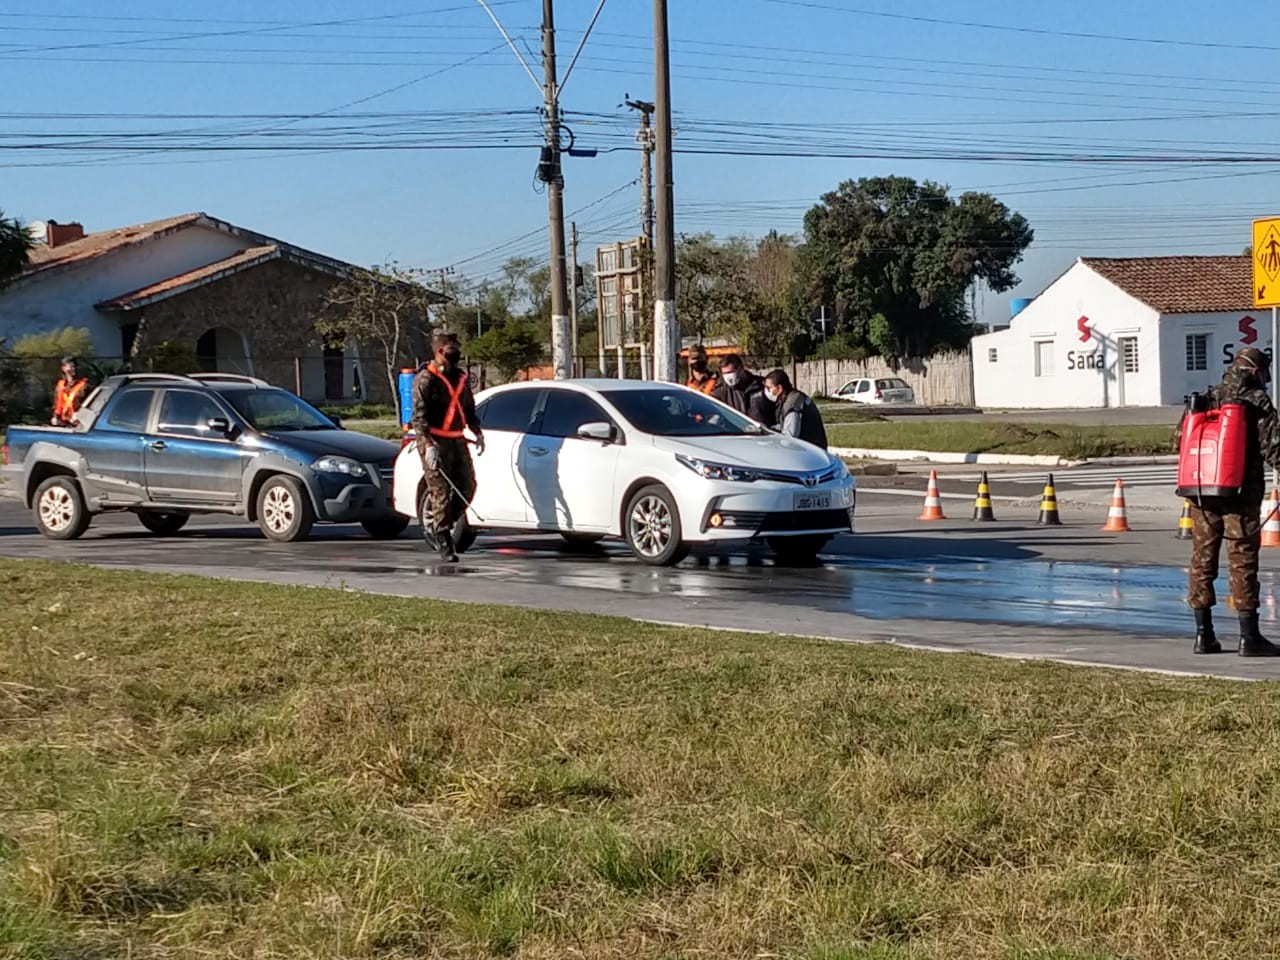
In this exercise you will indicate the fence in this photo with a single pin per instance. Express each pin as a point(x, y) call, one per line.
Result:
point(943, 380)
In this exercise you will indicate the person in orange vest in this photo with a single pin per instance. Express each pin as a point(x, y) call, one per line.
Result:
point(701, 378)
point(443, 408)
point(68, 394)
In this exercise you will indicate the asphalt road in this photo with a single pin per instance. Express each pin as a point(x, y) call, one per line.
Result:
point(1009, 589)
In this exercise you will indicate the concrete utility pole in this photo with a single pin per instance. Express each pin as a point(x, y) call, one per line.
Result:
point(666, 327)
point(573, 297)
point(550, 173)
point(645, 139)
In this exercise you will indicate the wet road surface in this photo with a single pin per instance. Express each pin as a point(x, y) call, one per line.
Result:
point(1007, 590)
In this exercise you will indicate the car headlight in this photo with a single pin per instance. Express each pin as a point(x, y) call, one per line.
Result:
point(343, 465)
point(842, 468)
point(718, 471)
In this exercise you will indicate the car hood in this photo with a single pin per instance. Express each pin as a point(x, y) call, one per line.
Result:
point(342, 443)
point(769, 451)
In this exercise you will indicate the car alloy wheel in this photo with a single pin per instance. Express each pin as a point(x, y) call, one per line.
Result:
point(278, 509)
point(650, 525)
point(57, 509)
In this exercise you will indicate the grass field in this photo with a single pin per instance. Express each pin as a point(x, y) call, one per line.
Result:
point(197, 769)
point(970, 436)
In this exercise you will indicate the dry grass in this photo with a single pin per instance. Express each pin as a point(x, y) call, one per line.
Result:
point(200, 769)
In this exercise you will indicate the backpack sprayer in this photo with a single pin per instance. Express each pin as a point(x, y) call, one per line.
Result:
point(1212, 451)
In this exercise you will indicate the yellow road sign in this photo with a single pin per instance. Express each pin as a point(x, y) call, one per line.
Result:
point(1266, 262)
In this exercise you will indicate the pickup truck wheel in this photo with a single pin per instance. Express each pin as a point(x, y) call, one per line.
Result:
point(163, 524)
point(385, 528)
point(284, 510)
point(60, 510)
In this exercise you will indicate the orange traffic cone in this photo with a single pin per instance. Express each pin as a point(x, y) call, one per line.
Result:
point(1271, 520)
point(1184, 522)
point(1117, 519)
point(932, 501)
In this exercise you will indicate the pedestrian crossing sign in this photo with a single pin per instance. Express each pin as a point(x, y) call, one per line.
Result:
point(1266, 262)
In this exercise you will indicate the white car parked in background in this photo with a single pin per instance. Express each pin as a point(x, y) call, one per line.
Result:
point(877, 390)
point(659, 465)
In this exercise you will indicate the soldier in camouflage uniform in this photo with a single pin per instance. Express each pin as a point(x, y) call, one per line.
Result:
point(443, 408)
point(1236, 519)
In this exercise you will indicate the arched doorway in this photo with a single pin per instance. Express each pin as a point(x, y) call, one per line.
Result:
point(224, 350)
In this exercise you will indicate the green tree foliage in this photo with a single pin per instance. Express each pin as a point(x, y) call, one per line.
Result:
point(29, 369)
point(895, 257)
point(15, 247)
point(510, 347)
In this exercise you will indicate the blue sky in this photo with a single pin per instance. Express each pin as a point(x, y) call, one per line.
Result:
point(1026, 89)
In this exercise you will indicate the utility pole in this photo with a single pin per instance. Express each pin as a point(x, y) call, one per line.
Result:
point(480, 293)
point(549, 171)
point(666, 326)
point(645, 139)
point(573, 297)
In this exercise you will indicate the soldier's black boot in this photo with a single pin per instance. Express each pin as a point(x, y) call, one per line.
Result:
point(1252, 642)
point(1206, 639)
point(445, 541)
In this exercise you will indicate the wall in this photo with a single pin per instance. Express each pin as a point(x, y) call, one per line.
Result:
point(1086, 370)
point(65, 297)
point(1227, 332)
point(942, 380)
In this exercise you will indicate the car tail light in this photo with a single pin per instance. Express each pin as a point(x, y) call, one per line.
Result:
point(4, 454)
point(879, 395)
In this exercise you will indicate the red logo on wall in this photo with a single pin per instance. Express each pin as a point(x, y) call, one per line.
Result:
point(1247, 334)
point(1083, 326)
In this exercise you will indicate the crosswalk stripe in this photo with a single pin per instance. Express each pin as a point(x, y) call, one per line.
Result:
point(1088, 477)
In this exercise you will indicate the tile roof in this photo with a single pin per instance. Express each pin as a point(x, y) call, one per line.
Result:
point(99, 244)
point(171, 286)
point(1209, 284)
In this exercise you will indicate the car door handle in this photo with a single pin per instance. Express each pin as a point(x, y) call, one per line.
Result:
point(537, 451)
point(158, 445)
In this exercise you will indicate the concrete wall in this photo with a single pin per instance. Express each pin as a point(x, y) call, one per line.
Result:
point(938, 381)
point(1080, 370)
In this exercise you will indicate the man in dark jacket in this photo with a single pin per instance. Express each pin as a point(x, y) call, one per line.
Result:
point(1236, 519)
point(798, 415)
point(744, 391)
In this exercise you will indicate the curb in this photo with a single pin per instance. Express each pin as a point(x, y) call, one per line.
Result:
point(978, 459)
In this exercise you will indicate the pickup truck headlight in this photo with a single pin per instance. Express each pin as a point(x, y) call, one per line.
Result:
point(343, 465)
point(718, 471)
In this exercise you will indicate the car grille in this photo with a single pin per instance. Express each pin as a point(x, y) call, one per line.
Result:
point(787, 522)
point(826, 476)
point(385, 477)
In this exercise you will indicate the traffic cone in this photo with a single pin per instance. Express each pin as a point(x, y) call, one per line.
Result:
point(1271, 520)
point(982, 504)
point(1049, 506)
point(932, 501)
point(1184, 522)
point(1117, 519)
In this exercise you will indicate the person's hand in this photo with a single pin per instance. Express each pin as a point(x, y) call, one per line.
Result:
point(431, 458)
point(479, 444)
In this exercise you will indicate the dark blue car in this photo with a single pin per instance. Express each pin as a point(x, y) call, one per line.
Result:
point(166, 447)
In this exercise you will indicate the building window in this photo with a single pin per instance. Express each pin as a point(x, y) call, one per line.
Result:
point(1129, 351)
point(992, 355)
point(1044, 358)
point(1197, 351)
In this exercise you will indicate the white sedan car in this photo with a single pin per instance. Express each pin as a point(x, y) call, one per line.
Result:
point(659, 465)
point(877, 390)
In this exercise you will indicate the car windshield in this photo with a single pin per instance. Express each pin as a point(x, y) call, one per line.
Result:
point(274, 409)
point(676, 412)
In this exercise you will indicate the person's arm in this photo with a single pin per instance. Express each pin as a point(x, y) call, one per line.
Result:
point(1268, 431)
point(421, 391)
point(790, 425)
point(469, 415)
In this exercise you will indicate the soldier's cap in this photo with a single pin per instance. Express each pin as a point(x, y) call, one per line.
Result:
point(1255, 358)
point(698, 351)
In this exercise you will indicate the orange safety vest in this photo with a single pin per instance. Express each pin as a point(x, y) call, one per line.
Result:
point(66, 399)
point(706, 386)
point(454, 420)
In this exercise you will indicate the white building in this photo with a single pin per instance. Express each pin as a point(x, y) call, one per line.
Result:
point(1138, 332)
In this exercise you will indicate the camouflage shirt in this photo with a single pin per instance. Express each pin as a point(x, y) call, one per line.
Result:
point(1243, 386)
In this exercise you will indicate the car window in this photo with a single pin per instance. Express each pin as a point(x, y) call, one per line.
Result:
point(129, 411)
point(897, 384)
point(509, 411)
point(187, 413)
point(864, 386)
point(677, 412)
point(565, 411)
point(272, 409)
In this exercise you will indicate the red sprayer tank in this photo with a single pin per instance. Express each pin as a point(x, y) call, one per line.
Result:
point(1212, 454)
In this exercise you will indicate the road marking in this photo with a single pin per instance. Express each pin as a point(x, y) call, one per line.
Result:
point(1099, 478)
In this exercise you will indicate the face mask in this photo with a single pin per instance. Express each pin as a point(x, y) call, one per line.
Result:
point(451, 358)
point(698, 366)
point(732, 378)
point(773, 393)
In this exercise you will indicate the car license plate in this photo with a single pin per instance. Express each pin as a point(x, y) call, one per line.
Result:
point(813, 501)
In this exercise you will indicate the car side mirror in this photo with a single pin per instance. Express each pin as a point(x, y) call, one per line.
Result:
point(602, 431)
point(219, 425)
point(337, 420)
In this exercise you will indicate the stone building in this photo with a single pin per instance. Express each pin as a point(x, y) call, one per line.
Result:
point(240, 301)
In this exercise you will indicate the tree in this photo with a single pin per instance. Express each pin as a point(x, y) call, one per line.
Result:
point(509, 348)
point(895, 258)
point(16, 245)
point(387, 305)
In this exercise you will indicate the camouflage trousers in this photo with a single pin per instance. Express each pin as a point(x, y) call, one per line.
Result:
point(1236, 521)
point(446, 505)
